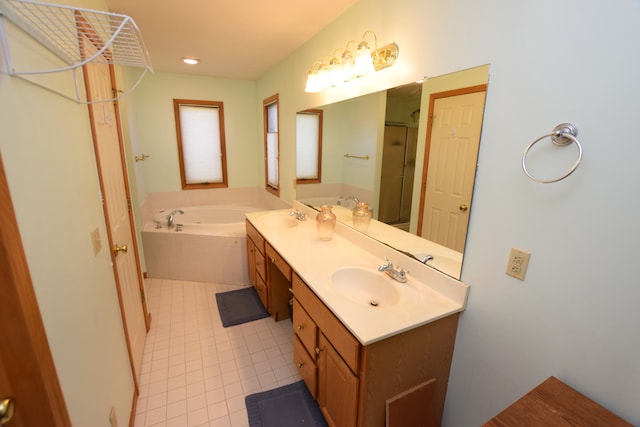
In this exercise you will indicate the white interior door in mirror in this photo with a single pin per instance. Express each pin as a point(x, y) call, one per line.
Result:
point(453, 152)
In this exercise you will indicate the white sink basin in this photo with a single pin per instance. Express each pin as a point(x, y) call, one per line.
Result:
point(366, 287)
point(279, 220)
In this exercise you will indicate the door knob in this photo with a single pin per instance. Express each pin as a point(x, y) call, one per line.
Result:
point(117, 249)
point(7, 408)
point(463, 208)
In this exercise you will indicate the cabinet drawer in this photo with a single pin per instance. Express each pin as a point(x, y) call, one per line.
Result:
point(345, 344)
point(275, 258)
point(305, 329)
point(261, 288)
point(255, 235)
point(306, 366)
point(261, 267)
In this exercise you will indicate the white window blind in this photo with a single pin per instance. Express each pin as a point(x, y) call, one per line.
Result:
point(307, 145)
point(201, 147)
point(272, 145)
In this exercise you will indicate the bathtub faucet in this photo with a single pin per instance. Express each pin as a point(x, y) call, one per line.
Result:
point(171, 217)
point(354, 198)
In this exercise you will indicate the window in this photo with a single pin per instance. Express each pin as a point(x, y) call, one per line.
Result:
point(201, 144)
point(308, 146)
point(271, 145)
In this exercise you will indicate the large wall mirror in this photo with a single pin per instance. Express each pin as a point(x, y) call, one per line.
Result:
point(410, 152)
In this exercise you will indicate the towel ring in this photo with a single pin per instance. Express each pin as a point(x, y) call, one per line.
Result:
point(563, 134)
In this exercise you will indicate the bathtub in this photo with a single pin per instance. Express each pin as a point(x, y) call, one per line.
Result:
point(210, 247)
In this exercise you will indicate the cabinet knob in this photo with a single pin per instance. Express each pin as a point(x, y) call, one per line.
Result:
point(300, 365)
point(318, 350)
point(300, 327)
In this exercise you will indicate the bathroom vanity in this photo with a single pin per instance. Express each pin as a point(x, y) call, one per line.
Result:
point(269, 274)
point(360, 338)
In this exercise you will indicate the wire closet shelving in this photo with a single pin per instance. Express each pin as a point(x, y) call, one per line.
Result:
point(60, 28)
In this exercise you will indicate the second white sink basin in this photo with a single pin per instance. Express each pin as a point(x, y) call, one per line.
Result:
point(366, 287)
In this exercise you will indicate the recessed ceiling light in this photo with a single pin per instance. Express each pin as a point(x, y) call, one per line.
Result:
point(190, 60)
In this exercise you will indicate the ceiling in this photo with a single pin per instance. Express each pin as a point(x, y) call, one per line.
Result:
point(239, 39)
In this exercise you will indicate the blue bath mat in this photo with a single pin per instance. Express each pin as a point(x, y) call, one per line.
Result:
point(240, 306)
point(287, 406)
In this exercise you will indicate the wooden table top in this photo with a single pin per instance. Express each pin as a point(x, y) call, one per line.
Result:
point(553, 403)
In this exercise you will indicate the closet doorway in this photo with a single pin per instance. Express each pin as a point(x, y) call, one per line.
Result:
point(107, 138)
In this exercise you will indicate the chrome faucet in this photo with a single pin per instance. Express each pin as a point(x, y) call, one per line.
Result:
point(354, 198)
point(171, 217)
point(300, 216)
point(397, 274)
point(426, 259)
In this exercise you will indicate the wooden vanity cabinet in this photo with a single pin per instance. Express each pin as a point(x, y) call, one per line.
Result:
point(269, 273)
point(352, 382)
point(256, 265)
point(278, 283)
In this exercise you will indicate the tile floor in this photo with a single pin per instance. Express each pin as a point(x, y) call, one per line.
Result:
point(197, 373)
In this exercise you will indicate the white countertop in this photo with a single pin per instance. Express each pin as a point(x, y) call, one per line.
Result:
point(428, 294)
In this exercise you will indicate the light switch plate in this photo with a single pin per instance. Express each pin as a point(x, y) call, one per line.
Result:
point(518, 263)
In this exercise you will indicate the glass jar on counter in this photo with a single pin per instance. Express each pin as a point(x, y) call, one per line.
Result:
point(361, 217)
point(325, 223)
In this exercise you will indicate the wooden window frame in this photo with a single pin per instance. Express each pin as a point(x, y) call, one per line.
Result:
point(317, 180)
point(274, 99)
point(198, 103)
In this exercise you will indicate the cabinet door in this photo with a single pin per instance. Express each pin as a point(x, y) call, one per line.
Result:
point(261, 266)
point(337, 387)
point(251, 261)
point(306, 366)
point(261, 288)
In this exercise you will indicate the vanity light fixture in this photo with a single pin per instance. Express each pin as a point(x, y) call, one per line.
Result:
point(364, 59)
point(190, 60)
point(336, 69)
point(348, 62)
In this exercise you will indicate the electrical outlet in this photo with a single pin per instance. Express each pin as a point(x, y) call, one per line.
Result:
point(518, 262)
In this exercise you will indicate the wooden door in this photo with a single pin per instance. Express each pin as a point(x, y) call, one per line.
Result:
point(27, 372)
point(337, 387)
point(105, 126)
point(451, 153)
